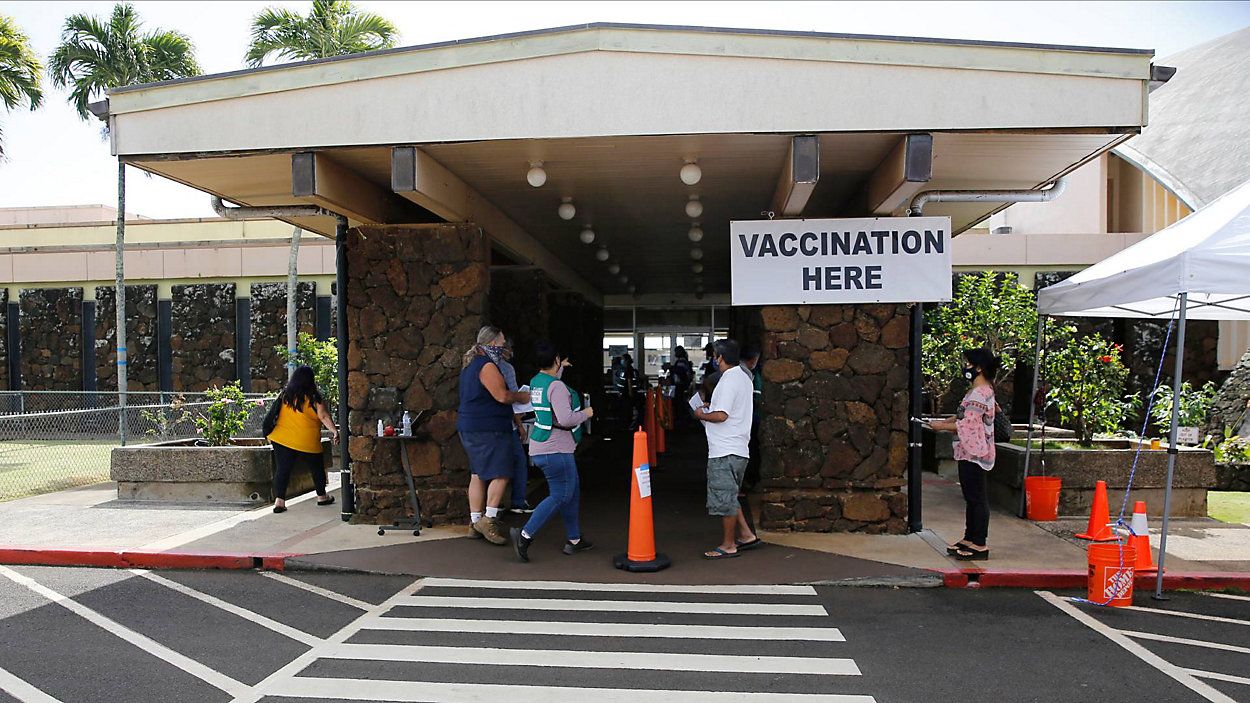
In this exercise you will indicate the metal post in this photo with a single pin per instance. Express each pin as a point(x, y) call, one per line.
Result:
point(1028, 442)
point(914, 442)
point(292, 304)
point(340, 284)
point(1172, 449)
point(120, 301)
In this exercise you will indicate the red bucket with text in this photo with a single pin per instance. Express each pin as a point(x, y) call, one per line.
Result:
point(1111, 574)
point(1041, 497)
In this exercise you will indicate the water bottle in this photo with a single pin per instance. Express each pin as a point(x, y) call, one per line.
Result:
point(406, 423)
point(381, 430)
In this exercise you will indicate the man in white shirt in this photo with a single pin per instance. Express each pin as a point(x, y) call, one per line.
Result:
point(727, 421)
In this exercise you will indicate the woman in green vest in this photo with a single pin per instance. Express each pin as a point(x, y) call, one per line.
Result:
point(558, 417)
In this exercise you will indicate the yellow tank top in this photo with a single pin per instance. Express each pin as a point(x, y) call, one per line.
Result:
point(298, 429)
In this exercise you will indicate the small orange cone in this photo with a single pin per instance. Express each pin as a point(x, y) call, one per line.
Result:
point(661, 423)
point(652, 429)
point(640, 553)
point(1099, 529)
point(1140, 540)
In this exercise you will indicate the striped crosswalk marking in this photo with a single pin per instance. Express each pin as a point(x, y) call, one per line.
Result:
point(615, 606)
point(737, 590)
point(608, 629)
point(414, 691)
point(596, 660)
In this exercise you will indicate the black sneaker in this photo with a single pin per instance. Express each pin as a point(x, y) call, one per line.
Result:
point(521, 544)
point(522, 509)
point(582, 545)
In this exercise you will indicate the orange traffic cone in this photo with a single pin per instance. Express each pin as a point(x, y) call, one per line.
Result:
point(640, 553)
point(1099, 529)
point(661, 423)
point(1140, 540)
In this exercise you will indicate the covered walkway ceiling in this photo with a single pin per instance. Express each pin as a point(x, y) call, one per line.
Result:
point(613, 112)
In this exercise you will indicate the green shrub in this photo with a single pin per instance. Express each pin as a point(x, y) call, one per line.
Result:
point(1195, 404)
point(1086, 377)
point(323, 357)
point(225, 416)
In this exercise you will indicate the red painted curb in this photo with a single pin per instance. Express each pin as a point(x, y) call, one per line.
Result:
point(136, 559)
point(1069, 578)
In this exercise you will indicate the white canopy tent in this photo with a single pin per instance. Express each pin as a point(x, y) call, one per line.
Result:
point(1199, 268)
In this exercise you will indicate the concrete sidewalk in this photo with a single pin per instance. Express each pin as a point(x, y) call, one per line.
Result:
point(89, 526)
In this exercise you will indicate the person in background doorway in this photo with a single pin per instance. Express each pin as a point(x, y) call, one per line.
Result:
point(973, 425)
point(751, 365)
point(296, 438)
point(727, 421)
point(485, 424)
point(682, 373)
point(709, 362)
point(520, 461)
point(557, 417)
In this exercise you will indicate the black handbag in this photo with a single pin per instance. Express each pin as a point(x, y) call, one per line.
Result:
point(270, 423)
point(1002, 425)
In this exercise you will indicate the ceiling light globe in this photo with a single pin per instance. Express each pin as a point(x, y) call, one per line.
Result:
point(587, 236)
point(696, 253)
point(614, 269)
point(602, 254)
point(691, 174)
point(695, 234)
point(696, 268)
point(624, 279)
point(567, 210)
point(536, 176)
point(694, 208)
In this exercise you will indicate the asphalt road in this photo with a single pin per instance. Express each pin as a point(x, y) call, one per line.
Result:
point(101, 635)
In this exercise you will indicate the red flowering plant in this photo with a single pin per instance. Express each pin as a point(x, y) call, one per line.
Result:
point(1086, 377)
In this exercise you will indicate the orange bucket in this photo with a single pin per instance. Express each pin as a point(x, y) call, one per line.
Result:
point(1041, 497)
point(1111, 574)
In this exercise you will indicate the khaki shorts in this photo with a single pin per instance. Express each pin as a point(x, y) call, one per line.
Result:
point(724, 478)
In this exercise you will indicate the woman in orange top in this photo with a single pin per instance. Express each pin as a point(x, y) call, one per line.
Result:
point(296, 437)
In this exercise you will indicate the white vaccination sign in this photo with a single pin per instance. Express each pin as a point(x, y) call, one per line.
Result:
point(859, 260)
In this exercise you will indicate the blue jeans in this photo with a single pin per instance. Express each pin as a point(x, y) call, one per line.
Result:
point(520, 471)
point(565, 495)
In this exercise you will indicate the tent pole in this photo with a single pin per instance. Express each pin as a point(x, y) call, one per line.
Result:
point(1172, 448)
point(1028, 442)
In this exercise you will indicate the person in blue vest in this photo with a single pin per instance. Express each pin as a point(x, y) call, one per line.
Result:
point(558, 417)
point(485, 424)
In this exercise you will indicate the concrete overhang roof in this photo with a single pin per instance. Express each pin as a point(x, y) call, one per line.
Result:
point(613, 110)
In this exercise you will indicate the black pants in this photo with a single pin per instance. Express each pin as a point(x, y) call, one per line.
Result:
point(972, 480)
point(285, 460)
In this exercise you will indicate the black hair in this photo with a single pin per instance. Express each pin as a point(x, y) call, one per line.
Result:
point(545, 354)
point(750, 351)
point(679, 352)
point(301, 389)
point(727, 349)
point(985, 360)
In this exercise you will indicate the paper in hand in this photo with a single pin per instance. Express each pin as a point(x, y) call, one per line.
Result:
point(696, 402)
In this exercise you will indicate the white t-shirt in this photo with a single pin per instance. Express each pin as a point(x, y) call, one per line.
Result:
point(733, 396)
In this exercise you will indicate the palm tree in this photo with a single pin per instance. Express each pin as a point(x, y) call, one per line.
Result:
point(333, 28)
point(93, 57)
point(21, 73)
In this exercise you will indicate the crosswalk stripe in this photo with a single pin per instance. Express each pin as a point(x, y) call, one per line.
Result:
point(1228, 596)
point(1217, 676)
point(740, 590)
point(323, 592)
point(251, 616)
point(438, 692)
point(21, 690)
point(1182, 614)
point(615, 605)
point(596, 660)
point(607, 629)
point(1182, 640)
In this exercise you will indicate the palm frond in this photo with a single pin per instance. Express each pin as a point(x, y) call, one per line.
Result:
point(21, 72)
point(332, 28)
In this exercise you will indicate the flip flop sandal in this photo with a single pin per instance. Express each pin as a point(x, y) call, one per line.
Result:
point(959, 547)
point(749, 545)
point(326, 502)
point(972, 555)
point(719, 553)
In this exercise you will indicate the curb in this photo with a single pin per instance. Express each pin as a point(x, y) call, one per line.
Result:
point(138, 559)
point(1058, 579)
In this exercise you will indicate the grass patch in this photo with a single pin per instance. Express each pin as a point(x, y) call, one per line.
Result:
point(30, 467)
point(1229, 506)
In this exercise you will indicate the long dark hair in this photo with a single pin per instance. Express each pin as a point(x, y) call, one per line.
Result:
point(985, 360)
point(302, 388)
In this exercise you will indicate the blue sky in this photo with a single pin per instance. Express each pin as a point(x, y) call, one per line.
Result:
point(54, 158)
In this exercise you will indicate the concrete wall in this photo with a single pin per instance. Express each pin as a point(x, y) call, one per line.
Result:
point(268, 330)
point(51, 328)
point(142, 339)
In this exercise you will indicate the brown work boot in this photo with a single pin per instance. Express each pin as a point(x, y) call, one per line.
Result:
point(473, 533)
point(490, 528)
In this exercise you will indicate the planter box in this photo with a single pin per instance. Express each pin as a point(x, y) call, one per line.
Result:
point(181, 472)
point(1110, 461)
point(1232, 477)
point(938, 452)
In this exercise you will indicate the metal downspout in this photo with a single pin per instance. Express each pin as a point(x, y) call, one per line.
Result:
point(987, 196)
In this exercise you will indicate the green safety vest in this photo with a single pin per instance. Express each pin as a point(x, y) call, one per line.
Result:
point(544, 416)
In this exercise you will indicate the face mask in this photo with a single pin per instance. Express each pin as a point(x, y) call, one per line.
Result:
point(970, 372)
point(495, 353)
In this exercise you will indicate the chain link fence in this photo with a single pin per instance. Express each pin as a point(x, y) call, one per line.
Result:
point(53, 440)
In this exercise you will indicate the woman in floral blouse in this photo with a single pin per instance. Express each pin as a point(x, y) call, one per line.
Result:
point(974, 450)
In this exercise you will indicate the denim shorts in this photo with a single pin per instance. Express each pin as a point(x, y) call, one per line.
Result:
point(724, 478)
